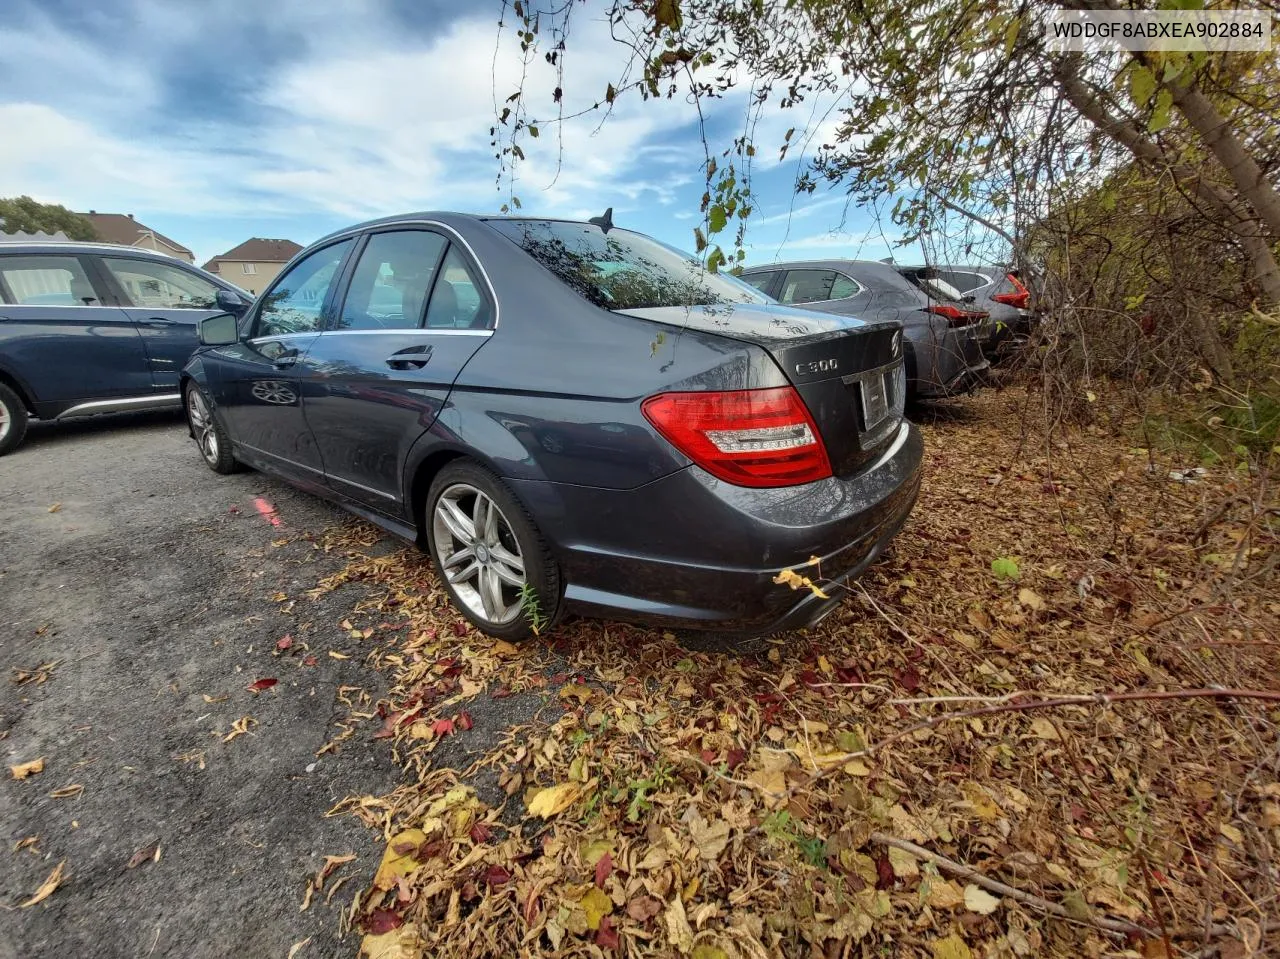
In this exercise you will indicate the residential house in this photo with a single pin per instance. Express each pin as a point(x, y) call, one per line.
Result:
point(254, 263)
point(124, 230)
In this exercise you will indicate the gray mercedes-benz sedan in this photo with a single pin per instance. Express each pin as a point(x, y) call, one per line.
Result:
point(571, 417)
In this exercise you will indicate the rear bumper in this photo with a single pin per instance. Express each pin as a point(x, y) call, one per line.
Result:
point(691, 551)
point(944, 361)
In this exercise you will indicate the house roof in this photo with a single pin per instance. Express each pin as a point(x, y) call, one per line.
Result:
point(123, 229)
point(258, 250)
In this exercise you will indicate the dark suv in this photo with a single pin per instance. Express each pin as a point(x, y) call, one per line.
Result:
point(92, 328)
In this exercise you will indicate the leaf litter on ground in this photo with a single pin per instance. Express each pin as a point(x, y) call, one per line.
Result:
point(879, 782)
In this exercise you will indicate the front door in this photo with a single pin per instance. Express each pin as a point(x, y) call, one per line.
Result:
point(414, 313)
point(61, 335)
point(255, 382)
point(167, 303)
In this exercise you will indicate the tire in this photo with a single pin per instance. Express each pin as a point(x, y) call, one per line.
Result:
point(513, 551)
point(210, 437)
point(13, 420)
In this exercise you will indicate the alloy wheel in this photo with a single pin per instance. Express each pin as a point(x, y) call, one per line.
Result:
point(202, 426)
point(479, 554)
point(6, 422)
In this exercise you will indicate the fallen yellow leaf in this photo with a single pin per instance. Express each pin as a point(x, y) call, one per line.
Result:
point(555, 800)
point(977, 899)
point(47, 887)
point(55, 507)
point(338, 655)
point(1030, 598)
point(398, 859)
point(597, 905)
point(239, 728)
point(66, 792)
point(952, 947)
point(23, 770)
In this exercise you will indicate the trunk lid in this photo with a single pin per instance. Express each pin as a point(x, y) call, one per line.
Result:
point(849, 372)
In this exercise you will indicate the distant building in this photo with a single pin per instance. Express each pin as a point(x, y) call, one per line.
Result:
point(254, 263)
point(123, 229)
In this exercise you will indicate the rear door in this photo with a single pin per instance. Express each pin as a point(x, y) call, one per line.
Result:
point(255, 382)
point(167, 303)
point(765, 281)
point(414, 312)
point(61, 333)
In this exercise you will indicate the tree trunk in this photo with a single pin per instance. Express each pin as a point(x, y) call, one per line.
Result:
point(1252, 236)
point(1244, 171)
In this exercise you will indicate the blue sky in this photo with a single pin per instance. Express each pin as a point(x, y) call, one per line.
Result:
point(224, 119)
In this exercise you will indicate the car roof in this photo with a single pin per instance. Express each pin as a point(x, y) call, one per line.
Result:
point(448, 218)
point(79, 246)
point(819, 265)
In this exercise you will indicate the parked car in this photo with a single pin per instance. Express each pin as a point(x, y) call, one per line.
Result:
point(91, 328)
point(943, 334)
point(571, 418)
point(998, 290)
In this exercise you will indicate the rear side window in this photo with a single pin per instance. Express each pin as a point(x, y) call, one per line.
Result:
point(390, 285)
point(964, 280)
point(813, 286)
point(160, 286)
point(456, 301)
point(47, 281)
point(761, 281)
point(295, 302)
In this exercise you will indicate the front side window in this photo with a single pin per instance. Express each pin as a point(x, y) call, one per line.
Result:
point(456, 301)
point(809, 286)
point(295, 302)
point(621, 270)
point(160, 286)
point(390, 285)
point(47, 281)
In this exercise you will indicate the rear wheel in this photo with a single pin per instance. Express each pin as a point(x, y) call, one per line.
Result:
point(208, 433)
point(489, 554)
point(13, 420)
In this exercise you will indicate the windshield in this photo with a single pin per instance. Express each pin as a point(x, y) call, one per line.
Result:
point(622, 270)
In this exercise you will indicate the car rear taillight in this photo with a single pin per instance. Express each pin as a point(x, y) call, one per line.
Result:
point(1020, 298)
point(956, 316)
point(747, 437)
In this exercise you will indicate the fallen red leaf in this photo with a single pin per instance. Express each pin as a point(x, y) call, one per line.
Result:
point(708, 756)
point(497, 876)
point(284, 642)
point(382, 921)
point(309, 661)
point(502, 692)
point(442, 727)
point(735, 758)
point(481, 833)
point(606, 935)
point(604, 866)
point(884, 873)
point(459, 629)
point(464, 720)
point(262, 684)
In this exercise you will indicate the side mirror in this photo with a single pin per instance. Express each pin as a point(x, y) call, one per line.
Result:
point(233, 303)
point(220, 330)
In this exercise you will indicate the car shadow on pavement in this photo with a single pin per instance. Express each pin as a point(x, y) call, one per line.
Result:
point(52, 432)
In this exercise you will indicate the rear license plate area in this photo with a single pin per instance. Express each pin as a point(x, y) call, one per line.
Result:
point(875, 400)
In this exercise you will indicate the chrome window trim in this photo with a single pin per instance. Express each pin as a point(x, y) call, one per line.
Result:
point(71, 306)
point(409, 329)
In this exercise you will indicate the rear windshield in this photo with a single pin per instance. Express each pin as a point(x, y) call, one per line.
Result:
point(621, 270)
point(933, 285)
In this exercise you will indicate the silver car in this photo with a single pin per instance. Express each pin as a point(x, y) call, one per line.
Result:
point(944, 335)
